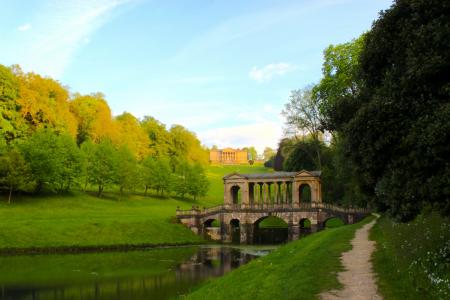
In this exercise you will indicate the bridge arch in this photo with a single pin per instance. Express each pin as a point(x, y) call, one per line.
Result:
point(305, 225)
point(333, 221)
point(211, 222)
point(270, 229)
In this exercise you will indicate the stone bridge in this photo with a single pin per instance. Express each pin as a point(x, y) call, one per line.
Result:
point(294, 197)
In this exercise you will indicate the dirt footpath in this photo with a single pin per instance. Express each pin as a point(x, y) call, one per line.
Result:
point(358, 278)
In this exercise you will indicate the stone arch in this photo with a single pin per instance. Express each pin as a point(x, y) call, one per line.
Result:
point(236, 194)
point(270, 235)
point(305, 225)
point(339, 219)
point(305, 193)
point(209, 222)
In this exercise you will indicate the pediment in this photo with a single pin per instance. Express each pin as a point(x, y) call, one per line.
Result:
point(233, 176)
point(304, 173)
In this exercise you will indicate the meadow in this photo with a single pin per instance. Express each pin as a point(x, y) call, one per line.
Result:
point(80, 219)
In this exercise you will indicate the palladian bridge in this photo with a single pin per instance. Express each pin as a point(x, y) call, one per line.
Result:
point(251, 198)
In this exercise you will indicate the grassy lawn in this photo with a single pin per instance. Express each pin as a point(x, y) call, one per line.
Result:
point(81, 219)
point(298, 270)
point(412, 260)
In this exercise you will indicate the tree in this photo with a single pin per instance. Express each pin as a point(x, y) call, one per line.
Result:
point(397, 129)
point(103, 171)
point(94, 118)
point(198, 183)
point(41, 151)
point(253, 154)
point(158, 135)
point(69, 165)
point(181, 179)
point(133, 135)
point(126, 170)
point(14, 171)
point(339, 82)
point(88, 149)
point(268, 153)
point(11, 125)
point(303, 118)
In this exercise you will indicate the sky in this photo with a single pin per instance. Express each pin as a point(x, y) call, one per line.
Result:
point(223, 69)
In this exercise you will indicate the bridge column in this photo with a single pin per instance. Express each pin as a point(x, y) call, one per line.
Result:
point(284, 193)
point(261, 193)
point(251, 192)
point(246, 231)
point(293, 231)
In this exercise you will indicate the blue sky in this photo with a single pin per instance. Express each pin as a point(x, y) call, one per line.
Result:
point(223, 69)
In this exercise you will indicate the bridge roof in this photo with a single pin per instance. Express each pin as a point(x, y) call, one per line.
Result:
point(275, 175)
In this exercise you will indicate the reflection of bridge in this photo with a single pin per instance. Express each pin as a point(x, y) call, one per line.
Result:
point(294, 197)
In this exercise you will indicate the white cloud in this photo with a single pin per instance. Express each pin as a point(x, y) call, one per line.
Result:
point(259, 135)
point(24, 27)
point(60, 29)
point(267, 72)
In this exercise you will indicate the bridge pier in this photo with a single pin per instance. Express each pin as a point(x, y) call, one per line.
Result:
point(246, 231)
point(293, 231)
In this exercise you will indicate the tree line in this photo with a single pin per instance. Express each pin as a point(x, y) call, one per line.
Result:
point(52, 139)
point(378, 122)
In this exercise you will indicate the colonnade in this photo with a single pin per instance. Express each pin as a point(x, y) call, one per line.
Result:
point(267, 193)
point(228, 156)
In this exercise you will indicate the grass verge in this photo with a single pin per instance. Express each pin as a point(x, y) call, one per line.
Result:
point(299, 270)
point(412, 260)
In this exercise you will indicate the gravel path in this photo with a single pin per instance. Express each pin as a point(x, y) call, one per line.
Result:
point(358, 278)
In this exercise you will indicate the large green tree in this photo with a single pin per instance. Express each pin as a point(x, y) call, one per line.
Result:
point(396, 127)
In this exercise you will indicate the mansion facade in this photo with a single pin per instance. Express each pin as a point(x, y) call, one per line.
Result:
point(228, 156)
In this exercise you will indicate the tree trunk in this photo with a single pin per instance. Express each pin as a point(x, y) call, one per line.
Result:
point(10, 194)
point(100, 190)
point(145, 193)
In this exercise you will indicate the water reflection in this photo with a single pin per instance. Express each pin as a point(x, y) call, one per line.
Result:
point(150, 274)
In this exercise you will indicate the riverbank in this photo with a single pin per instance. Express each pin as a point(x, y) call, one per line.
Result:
point(299, 270)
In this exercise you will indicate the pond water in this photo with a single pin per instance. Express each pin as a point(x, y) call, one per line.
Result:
point(163, 273)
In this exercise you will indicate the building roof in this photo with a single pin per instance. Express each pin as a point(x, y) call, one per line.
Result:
point(275, 175)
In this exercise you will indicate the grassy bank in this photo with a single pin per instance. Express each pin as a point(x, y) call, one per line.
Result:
point(83, 220)
point(298, 270)
point(412, 260)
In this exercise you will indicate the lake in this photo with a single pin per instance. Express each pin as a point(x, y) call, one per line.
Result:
point(162, 273)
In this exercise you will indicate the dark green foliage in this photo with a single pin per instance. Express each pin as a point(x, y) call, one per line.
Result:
point(395, 123)
point(412, 259)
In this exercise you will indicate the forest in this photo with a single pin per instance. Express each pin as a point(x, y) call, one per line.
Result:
point(55, 140)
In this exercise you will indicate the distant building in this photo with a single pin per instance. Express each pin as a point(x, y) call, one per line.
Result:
point(228, 156)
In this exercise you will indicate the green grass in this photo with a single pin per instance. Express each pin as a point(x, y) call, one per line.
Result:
point(79, 219)
point(412, 260)
point(84, 220)
point(298, 270)
point(333, 223)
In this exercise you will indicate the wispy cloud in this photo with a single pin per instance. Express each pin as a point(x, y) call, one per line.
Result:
point(24, 27)
point(60, 29)
point(267, 72)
